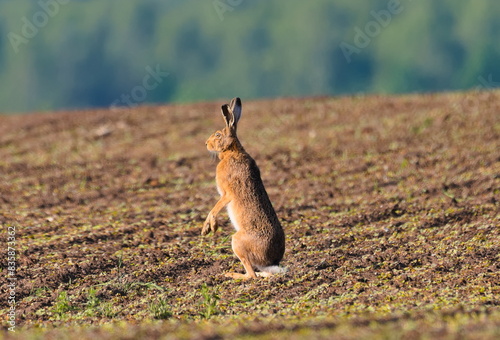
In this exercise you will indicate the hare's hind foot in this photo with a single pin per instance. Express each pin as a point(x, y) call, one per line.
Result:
point(239, 276)
point(263, 274)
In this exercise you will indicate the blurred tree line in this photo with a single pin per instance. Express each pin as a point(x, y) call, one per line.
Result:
point(60, 54)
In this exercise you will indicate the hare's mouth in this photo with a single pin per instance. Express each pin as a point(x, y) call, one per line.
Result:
point(213, 154)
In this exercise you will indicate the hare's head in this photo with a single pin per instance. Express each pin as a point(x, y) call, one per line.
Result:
point(226, 139)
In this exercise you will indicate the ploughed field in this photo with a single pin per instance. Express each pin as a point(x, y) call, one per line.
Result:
point(390, 207)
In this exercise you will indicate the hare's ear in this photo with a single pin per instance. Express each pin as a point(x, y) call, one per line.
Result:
point(228, 115)
point(235, 107)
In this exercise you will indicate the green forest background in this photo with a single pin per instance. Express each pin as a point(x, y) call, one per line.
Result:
point(69, 54)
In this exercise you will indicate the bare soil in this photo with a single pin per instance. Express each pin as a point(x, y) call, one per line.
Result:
point(390, 207)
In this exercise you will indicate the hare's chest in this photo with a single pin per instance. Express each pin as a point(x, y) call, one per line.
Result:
point(232, 215)
point(223, 178)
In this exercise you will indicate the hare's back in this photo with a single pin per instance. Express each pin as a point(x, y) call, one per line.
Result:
point(251, 205)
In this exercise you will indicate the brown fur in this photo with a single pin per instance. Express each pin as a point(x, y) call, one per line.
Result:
point(259, 241)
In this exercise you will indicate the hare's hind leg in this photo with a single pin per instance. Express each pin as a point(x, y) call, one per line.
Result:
point(240, 249)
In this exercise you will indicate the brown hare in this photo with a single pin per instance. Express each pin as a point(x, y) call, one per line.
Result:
point(259, 241)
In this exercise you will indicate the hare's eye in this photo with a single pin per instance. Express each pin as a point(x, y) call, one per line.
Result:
point(218, 135)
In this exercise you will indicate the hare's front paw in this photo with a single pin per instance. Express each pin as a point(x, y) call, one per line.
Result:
point(210, 225)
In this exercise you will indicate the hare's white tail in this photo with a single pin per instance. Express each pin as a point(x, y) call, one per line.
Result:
point(270, 270)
